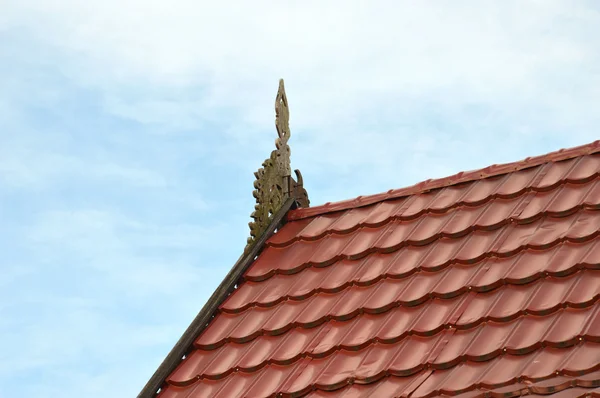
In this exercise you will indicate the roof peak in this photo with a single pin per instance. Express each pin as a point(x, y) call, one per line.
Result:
point(458, 178)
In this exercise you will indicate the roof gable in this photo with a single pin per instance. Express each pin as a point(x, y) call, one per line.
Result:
point(486, 281)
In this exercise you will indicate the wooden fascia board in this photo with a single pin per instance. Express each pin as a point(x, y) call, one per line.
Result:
point(202, 320)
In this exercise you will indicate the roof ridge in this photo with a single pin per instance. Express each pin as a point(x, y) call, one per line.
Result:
point(461, 177)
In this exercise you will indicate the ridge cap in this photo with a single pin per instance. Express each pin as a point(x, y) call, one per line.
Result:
point(455, 179)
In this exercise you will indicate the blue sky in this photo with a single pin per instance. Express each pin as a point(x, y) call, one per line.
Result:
point(130, 132)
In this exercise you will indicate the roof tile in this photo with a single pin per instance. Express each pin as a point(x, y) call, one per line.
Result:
point(484, 284)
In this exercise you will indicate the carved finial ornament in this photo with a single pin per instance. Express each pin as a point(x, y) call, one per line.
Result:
point(274, 183)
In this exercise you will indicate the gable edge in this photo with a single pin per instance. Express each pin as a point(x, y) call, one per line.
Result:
point(202, 320)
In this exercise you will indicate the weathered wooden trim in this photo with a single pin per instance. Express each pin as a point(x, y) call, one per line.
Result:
point(201, 321)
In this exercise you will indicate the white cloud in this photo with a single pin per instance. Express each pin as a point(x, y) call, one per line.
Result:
point(104, 236)
point(88, 307)
point(335, 56)
point(28, 159)
point(530, 67)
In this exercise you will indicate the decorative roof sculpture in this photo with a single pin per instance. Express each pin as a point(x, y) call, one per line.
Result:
point(274, 182)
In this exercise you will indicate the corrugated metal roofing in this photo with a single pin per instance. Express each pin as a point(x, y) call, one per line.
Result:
point(485, 284)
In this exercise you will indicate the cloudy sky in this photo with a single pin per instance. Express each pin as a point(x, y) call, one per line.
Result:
point(130, 131)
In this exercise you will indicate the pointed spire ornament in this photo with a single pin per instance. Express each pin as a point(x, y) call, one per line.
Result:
point(274, 183)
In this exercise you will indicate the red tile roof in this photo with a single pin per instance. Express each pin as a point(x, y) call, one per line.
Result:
point(486, 283)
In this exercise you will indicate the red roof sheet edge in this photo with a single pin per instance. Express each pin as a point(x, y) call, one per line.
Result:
point(296, 388)
point(578, 333)
point(584, 385)
point(463, 176)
